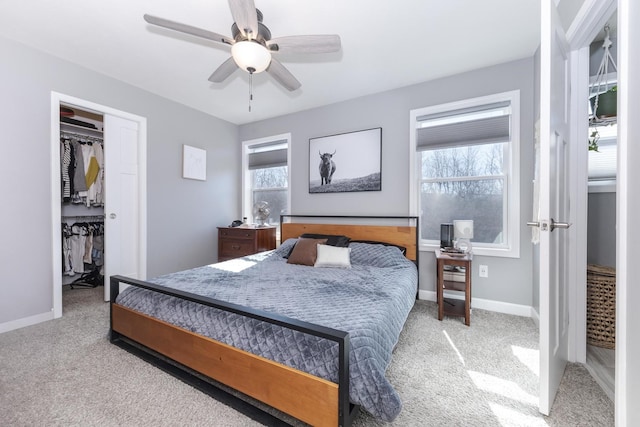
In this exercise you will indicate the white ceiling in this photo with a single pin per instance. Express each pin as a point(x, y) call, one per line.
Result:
point(385, 45)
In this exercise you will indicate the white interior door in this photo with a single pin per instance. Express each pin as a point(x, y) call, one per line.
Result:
point(553, 203)
point(122, 200)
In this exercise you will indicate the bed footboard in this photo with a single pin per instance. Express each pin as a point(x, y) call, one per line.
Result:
point(308, 398)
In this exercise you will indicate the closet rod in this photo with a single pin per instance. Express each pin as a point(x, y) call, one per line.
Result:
point(79, 136)
point(96, 218)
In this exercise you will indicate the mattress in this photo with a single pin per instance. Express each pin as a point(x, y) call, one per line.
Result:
point(371, 301)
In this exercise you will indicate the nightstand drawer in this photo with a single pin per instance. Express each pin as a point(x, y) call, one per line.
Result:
point(237, 233)
point(235, 248)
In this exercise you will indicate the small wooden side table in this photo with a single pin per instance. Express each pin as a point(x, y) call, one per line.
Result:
point(448, 306)
point(236, 242)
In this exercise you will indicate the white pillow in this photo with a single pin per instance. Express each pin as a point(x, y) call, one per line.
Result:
point(333, 256)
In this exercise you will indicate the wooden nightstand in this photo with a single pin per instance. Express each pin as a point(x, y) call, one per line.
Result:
point(448, 306)
point(235, 242)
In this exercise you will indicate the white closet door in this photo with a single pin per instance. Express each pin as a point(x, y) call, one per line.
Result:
point(122, 199)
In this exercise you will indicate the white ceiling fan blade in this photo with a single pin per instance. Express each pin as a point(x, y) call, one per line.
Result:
point(305, 44)
point(188, 29)
point(245, 16)
point(223, 71)
point(282, 75)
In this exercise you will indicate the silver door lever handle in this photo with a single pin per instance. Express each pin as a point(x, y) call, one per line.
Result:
point(553, 224)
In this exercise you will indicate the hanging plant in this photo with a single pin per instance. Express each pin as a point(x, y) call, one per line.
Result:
point(603, 98)
point(608, 103)
point(593, 140)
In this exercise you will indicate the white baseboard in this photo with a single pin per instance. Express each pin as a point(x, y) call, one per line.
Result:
point(485, 304)
point(25, 321)
point(535, 316)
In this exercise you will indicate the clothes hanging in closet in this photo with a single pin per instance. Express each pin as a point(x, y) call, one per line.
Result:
point(82, 247)
point(82, 170)
point(65, 165)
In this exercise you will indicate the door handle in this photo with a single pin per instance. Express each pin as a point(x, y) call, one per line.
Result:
point(550, 225)
point(553, 224)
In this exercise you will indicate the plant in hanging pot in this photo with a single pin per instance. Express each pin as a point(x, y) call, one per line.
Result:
point(607, 103)
point(593, 140)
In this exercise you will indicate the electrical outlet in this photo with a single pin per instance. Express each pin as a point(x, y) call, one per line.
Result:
point(484, 271)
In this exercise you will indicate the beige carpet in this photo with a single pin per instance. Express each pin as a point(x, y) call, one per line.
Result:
point(66, 373)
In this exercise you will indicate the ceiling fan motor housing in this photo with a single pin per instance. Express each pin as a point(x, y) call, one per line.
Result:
point(264, 34)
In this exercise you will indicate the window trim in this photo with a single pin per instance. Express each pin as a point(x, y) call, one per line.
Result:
point(511, 247)
point(247, 205)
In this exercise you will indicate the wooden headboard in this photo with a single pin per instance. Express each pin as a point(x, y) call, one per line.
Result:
point(402, 235)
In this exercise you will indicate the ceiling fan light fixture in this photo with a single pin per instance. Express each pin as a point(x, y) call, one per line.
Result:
point(251, 56)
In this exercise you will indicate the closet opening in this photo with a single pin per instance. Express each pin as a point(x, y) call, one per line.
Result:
point(82, 197)
point(601, 211)
point(110, 214)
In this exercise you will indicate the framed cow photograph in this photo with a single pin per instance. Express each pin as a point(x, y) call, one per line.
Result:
point(346, 162)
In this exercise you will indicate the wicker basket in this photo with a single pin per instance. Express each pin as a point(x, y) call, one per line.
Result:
point(601, 306)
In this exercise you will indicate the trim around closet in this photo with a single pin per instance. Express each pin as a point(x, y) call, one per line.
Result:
point(56, 209)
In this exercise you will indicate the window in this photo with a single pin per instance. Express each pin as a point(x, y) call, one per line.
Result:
point(466, 157)
point(603, 163)
point(266, 176)
point(603, 130)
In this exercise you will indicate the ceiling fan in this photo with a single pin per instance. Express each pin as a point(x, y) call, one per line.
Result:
point(252, 47)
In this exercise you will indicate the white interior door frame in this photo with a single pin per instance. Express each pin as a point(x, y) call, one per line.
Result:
point(627, 387)
point(590, 20)
point(56, 208)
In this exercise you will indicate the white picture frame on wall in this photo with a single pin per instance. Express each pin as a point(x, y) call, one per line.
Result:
point(194, 163)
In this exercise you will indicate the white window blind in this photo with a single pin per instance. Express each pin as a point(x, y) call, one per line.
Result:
point(603, 163)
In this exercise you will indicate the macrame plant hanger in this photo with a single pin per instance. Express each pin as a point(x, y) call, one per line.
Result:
point(602, 84)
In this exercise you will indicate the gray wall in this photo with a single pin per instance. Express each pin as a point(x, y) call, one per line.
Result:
point(182, 214)
point(601, 229)
point(568, 9)
point(509, 279)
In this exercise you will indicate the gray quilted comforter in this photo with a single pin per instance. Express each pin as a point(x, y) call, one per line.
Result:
point(371, 301)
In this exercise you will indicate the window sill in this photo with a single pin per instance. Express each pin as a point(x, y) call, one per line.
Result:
point(608, 186)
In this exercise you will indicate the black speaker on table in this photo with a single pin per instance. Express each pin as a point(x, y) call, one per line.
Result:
point(446, 235)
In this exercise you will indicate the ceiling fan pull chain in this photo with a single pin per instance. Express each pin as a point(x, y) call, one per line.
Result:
point(250, 86)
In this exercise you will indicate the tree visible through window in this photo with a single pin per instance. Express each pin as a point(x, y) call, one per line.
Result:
point(270, 185)
point(463, 183)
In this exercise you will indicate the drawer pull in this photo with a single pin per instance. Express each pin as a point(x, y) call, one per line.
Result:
point(235, 247)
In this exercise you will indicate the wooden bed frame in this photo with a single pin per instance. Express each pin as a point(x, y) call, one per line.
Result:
point(311, 399)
